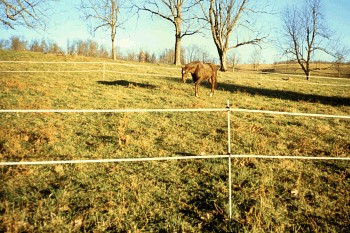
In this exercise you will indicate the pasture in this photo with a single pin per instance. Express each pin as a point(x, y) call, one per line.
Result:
point(171, 196)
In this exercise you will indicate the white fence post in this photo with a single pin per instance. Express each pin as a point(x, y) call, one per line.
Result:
point(229, 156)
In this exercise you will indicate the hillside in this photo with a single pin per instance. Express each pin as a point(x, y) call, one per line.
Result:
point(319, 69)
point(286, 195)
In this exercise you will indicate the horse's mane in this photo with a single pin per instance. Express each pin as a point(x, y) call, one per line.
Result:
point(192, 66)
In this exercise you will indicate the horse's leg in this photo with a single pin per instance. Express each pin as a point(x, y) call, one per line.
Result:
point(212, 86)
point(196, 87)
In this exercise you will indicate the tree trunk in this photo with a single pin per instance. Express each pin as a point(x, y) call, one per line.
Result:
point(308, 72)
point(223, 59)
point(114, 53)
point(177, 61)
point(178, 50)
point(114, 15)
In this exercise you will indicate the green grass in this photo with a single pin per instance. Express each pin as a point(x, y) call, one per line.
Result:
point(173, 196)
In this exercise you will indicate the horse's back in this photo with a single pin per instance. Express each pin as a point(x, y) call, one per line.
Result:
point(213, 75)
point(200, 69)
point(212, 69)
point(192, 64)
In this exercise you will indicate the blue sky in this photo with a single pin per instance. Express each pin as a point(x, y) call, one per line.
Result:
point(155, 35)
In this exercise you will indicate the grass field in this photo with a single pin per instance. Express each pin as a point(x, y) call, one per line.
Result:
point(173, 196)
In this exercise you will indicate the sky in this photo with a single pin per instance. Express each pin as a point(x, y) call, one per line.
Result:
point(154, 34)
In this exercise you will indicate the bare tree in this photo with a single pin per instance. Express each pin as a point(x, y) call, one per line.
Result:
point(54, 48)
point(255, 58)
point(340, 57)
point(103, 14)
point(18, 44)
point(227, 16)
point(192, 53)
point(176, 12)
point(197, 53)
point(305, 33)
point(29, 13)
point(234, 59)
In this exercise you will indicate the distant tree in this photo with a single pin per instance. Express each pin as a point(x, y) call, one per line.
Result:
point(227, 16)
point(81, 48)
point(193, 52)
point(197, 53)
point(305, 32)
point(18, 44)
point(104, 14)
point(43, 46)
point(88, 48)
point(147, 57)
point(103, 53)
point(131, 56)
point(233, 59)
point(54, 48)
point(340, 58)
point(35, 46)
point(167, 56)
point(255, 58)
point(28, 13)
point(92, 50)
point(70, 47)
point(142, 56)
point(179, 14)
point(153, 58)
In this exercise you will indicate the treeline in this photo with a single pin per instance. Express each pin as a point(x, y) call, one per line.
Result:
point(91, 48)
point(87, 48)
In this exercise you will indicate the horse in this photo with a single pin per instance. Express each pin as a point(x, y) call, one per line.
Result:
point(200, 71)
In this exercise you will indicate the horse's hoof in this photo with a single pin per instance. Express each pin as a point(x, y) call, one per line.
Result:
point(211, 94)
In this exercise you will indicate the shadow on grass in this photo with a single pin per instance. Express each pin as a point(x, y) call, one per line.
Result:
point(184, 154)
point(278, 94)
point(287, 95)
point(125, 83)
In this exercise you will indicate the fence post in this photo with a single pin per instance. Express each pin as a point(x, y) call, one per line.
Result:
point(229, 156)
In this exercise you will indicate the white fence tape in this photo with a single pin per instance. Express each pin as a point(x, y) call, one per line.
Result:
point(88, 71)
point(101, 63)
point(49, 71)
point(111, 110)
point(53, 162)
point(170, 110)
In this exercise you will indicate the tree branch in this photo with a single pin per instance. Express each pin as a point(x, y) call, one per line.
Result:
point(22, 12)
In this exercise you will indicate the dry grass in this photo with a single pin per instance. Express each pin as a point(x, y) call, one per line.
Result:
point(317, 69)
point(181, 196)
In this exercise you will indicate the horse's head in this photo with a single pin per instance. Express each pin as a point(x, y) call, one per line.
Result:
point(184, 74)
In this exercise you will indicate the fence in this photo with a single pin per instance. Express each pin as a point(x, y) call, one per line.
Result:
point(228, 109)
point(104, 71)
point(228, 156)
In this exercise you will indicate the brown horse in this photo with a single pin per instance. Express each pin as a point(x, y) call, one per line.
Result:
point(200, 71)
